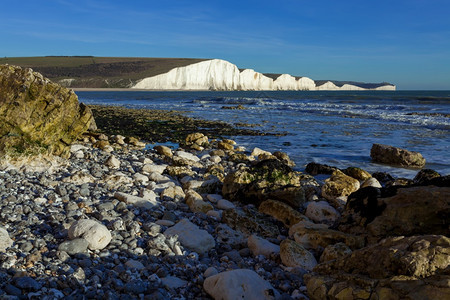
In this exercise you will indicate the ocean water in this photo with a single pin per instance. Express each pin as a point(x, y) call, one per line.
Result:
point(336, 128)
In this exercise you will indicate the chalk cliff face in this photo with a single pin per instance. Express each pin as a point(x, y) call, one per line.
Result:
point(217, 74)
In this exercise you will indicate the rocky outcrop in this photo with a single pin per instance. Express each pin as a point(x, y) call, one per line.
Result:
point(396, 156)
point(414, 267)
point(37, 115)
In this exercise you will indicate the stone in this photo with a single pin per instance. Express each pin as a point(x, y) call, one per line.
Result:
point(373, 182)
point(187, 155)
point(397, 211)
point(112, 162)
point(249, 221)
point(227, 235)
point(191, 237)
point(97, 235)
point(136, 201)
point(37, 115)
point(27, 283)
point(332, 252)
point(281, 212)
point(396, 156)
point(357, 173)
point(211, 271)
point(163, 150)
point(140, 178)
point(294, 255)
point(260, 246)
point(315, 169)
point(173, 282)
point(154, 168)
point(413, 267)
point(257, 152)
point(268, 179)
point(284, 158)
point(5, 240)
point(74, 246)
point(224, 146)
point(134, 264)
point(173, 193)
point(425, 175)
point(239, 284)
point(195, 202)
point(225, 204)
point(311, 236)
point(196, 139)
point(322, 212)
point(339, 185)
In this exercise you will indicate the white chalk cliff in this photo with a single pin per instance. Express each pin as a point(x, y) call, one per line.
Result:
point(217, 74)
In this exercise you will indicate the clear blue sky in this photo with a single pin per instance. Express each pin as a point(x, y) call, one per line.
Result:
point(406, 42)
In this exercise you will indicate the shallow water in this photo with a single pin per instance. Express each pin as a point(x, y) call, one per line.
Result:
point(336, 128)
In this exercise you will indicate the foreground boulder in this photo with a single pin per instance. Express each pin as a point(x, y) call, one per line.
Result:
point(396, 156)
point(414, 267)
point(37, 115)
point(268, 179)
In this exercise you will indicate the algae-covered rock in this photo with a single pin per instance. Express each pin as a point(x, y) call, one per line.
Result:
point(339, 185)
point(37, 115)
point(268, 179)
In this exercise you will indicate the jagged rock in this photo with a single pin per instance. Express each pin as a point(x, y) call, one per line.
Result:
point(195, 140)
point(414, 267)
point(425, 175)
point(396, 156)
point(191, 237)
point(97, 235)
point(295, 255)
point(282, 212)
point(268, 179)
point(339, 185)
point(284, 158)
point(37, 115)
point(239, 284)
point(400, 211)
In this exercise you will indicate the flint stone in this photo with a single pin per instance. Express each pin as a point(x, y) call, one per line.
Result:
point(239, 284)
point(396, 156)
point(97, 235)
point(191, 237)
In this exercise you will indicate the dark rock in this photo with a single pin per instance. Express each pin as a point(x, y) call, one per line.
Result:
point(396, 156)
point(315, 168)
point(27, 283)
point(425, 175)
point(74, 246)
point(36, 115)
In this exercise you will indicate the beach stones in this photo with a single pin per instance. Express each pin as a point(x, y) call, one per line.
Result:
point(97, 235)
point(339, 185)
point(239, 284)
point(5, 240)
point(260, 246)
point(322, 212)
point(396, 156)
point(294, 255)
point(282, 212)
point(37, 115)
point(191, 237)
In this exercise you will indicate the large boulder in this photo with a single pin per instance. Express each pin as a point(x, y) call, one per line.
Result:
point(37, 115)
point(403, 211)
point(414, 267)
point(396, 156)
point(268, 179)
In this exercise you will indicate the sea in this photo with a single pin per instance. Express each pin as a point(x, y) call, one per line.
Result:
point(337, 128)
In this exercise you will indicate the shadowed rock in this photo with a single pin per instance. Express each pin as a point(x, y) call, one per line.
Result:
point(396, 156)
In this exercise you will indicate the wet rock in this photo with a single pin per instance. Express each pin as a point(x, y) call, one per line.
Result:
point(282, 212)
point(191, 237)
point(294, 255)
point(315, 169)
point(425, 175)
point(396, 156)
point(357, 173)
point(239, 284)
point(284, 158)
point(37, 115)
point(268, 179)
point(97, 235)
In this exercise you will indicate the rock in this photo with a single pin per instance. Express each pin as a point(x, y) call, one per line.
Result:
point(322, 212)
point(284, 158)
point(134, 142)
point(173, 193)
point(239, 284)
point(224, 146)
point(187, 155)
point(395, 268)
point(332, 252)
point(249, 221)
point(134, 264)
point(154, 168)
point(5, 240)
point(357, 173)
point(196, 139)
point(191, 237)
point(401, 211)
point(74, 246)
point(268, 179)
point(425, 175)
point(260, 246)
point(195, 202)
point(172, 282)
point(112, 162)
point(282, 212)
point(225, 204)
point(136, 201)
point(27, 283)
point(228, 236)
point(163, 150)
point(314, 236)
point(37, 115)
point(315, 169)
point(339, 185)
point(211, 271)
point(396, 156)
point(294, 255)
point(257, 152)
point(373, 182)
point(97, 235)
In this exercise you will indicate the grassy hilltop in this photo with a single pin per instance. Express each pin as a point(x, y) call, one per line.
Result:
point(98, 72)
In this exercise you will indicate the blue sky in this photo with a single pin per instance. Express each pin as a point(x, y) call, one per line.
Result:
point(403, 42)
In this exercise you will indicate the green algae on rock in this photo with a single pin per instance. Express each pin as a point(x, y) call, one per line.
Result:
point(38, 116)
